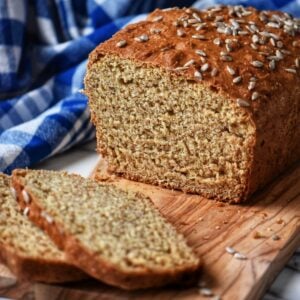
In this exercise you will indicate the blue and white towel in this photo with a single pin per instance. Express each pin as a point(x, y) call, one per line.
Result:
point(43, 51)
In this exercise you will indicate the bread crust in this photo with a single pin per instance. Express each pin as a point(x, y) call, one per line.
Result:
point(88, 261)
point(38, 269)
point(274, 114)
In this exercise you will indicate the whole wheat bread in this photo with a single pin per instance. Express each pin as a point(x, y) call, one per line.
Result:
point(202, 101)
point(27, 251)
point(115, 236)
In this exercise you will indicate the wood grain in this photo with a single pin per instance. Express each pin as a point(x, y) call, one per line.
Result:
point(209, 227)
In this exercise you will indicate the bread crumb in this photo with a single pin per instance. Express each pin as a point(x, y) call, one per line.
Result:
point(258, 235)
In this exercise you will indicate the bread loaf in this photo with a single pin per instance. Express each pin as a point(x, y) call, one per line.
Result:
point(206, 102)
point(25, 249)
point(115, 236)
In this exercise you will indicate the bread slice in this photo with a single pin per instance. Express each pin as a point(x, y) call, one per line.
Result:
point(201, 101)
point(28, 252)
point(115, 236)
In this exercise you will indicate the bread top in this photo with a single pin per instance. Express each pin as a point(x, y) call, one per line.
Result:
point(247, 54)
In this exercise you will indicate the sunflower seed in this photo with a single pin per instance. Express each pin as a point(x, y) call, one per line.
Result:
point(275, 237)
point(142, 38)
point(272, 65)
point(230, 250)
point(257, 64)
point(214, 72)
point(198, 37)
point(206, 292)
point(230, 70)
point(226, 58)
point(192, 21)
point(121, 43)
point(157, 19)
point(189, 63)
point(273, 25)
point(26, 211)
point(251, 85)
point(180, 32)
point(255, 38)
point(254, 96)
point(297, 62)
point(198, 75)
point(25, 196)
point(240, 256)
point(242, 103)
point(205, 67)
point(279, 54)
point(201, 26)
point(237, 80)
point(201, 53)
point(291, 70)
point(253, 46)
point(273, 42)
point(242, 32)
point(217, 41)
point(196, 17)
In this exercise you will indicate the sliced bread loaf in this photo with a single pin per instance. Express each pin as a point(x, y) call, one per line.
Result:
point(115, 236)
point(25, 249)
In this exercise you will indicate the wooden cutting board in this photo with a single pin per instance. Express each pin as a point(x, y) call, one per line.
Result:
point(252, 229)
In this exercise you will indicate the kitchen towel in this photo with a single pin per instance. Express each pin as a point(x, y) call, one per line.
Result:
point(44, 47)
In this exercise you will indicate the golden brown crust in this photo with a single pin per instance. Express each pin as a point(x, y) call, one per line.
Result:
point(271, 89)
point(170, 51)
point(90, 262)
point(38, 269)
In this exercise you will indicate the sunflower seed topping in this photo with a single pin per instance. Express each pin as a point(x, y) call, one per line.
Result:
point(214, 72)
point(242, 103)
point(272, 65)
point(198, 75)
point(25, 196)
point(230, 250)
point(251, 85)
point(240, 256)
point(230, 70)
point(255, 38)
point(157, 19)
point(237, 80)
point(217, 41)
point(121, 43)
point(205, 67)
point(254, 96)
point(201, 53)
point(257, 64)
point(189, 63)
point(180, 32)
point(199, 37)
point(142, 38)
point(26, 211)
point(297, 62)
point(226, 57)
point(206, 292)
point(291, 70)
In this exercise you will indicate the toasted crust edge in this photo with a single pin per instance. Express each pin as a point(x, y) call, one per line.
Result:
point(36, 269)
point(88, 262)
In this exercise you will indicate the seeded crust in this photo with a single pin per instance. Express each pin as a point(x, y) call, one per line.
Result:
point(25, 249)
point(132, 248)
point(201, 110)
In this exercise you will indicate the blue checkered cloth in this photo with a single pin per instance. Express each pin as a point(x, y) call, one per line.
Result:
point(43, 51)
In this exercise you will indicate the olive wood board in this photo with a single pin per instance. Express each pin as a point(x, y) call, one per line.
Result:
point(209, 227)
